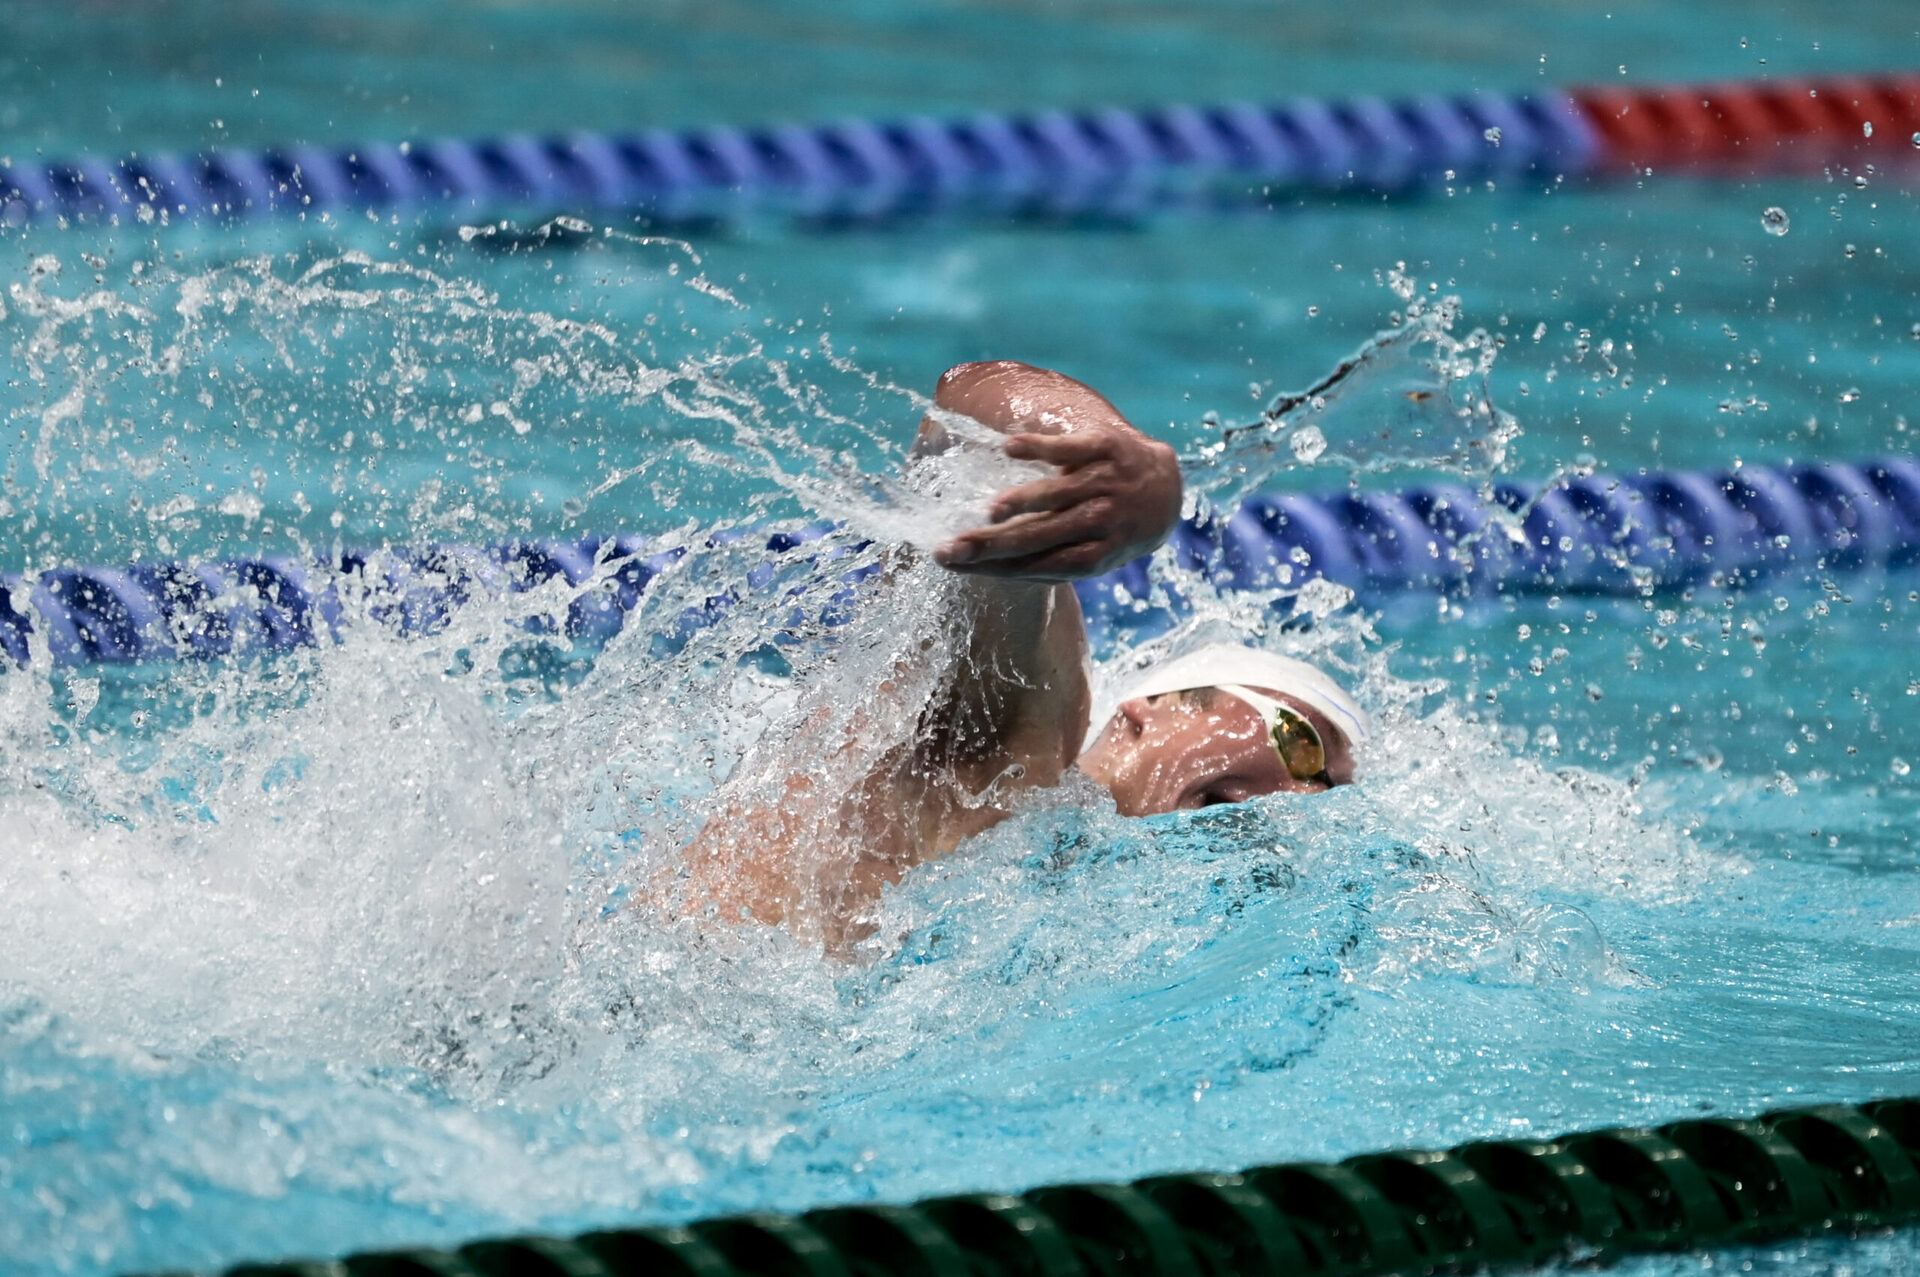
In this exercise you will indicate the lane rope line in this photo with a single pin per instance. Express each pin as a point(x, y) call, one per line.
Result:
point(1106, 162)
point(1602, 534)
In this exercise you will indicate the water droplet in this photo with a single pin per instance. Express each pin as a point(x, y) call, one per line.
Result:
point(1860, 181)
point(1850, 250)
point(573, 507)
point(1850, 395)
point(1901, 767)
point(1866, 128)
point(1309, 443)
point(1916, 139)
point(1493, 135)
point(1312, 311)
point(1775, 220)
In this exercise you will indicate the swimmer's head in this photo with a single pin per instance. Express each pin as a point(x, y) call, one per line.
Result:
point(1223, 724)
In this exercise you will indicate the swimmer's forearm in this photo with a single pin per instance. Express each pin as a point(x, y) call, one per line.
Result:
point(1116, 496)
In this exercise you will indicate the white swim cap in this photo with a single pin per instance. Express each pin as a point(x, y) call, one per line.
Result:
point(1230, 663)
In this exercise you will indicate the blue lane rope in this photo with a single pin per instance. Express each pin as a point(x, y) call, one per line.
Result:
point(1058, 163)
point(1601, 534)
point(1104, 162)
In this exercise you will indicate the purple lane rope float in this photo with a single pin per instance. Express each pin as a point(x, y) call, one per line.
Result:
point(1601, 534)
point(1110, 161)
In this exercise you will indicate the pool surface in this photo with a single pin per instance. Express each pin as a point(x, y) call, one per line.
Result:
point(334, 950)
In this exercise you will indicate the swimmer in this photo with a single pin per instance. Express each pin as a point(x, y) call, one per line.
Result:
point(1221, 724)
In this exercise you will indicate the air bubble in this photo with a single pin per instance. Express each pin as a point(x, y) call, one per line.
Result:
point(1493, 135)
point(1775, 221)
point(1901, 767)
point(1866, 128)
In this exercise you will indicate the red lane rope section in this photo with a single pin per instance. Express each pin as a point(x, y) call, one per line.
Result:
point(1785, 124)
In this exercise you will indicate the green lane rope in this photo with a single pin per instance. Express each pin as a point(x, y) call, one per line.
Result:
point(1508, 1204)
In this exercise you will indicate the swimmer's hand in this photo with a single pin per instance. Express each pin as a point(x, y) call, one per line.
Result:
point(1116, 497)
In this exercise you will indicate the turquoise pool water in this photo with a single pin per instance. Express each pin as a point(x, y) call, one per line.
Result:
point(321, 953)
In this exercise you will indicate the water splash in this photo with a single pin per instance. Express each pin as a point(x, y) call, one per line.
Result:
point(358, 923)
point(1413, 397)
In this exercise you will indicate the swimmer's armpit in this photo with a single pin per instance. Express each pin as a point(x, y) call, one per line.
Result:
point(1116, 497)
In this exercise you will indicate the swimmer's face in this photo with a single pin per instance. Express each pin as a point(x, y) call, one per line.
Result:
point(1193, 749)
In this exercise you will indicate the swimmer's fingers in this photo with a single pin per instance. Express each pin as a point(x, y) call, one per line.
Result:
point(1069, 450)
point(1126, 465)
point(994, 549)
point(1059, 493)
point(1116, 497)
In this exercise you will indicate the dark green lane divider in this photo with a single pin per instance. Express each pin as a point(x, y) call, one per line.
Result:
point(1496, 1204)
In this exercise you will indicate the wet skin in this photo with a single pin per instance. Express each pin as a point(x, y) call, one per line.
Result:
point(1185, 750)
point(804, 843)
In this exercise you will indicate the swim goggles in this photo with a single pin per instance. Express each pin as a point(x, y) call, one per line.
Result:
point(1295, 738)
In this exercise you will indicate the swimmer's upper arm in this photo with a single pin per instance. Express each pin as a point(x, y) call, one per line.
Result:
point(1021, 699)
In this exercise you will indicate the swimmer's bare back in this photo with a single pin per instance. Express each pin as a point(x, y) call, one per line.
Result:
point(814, 855)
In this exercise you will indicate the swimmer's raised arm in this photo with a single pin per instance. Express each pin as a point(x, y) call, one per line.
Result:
point(1022, 700)
point(1014, 712)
